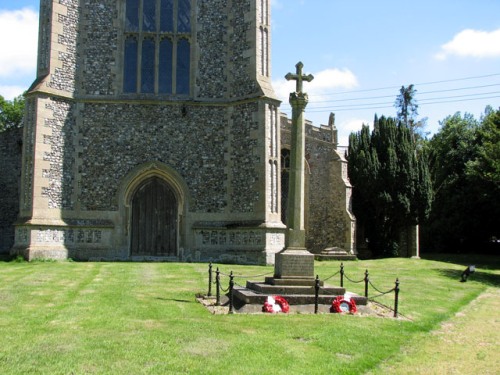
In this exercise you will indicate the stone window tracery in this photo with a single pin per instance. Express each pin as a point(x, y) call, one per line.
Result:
point(157, 47)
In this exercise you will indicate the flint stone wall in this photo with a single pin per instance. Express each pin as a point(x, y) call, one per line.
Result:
point(193, 140)
point(327, 200)
point(10, 172)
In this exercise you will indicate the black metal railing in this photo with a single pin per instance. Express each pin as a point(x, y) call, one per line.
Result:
point(317, 287)
point(367, 283)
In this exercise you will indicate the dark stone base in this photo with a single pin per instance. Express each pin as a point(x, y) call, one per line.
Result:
point(294, 264)
point(246, 299)
point(292, 290)
point(294, 280)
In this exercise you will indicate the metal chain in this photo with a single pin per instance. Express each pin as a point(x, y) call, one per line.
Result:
point(335, 274)
point(224, 290)
point(248, 277)
point(382, 293)
point(352, 281)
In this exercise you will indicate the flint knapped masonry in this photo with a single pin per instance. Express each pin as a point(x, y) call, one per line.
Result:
point(153, 132)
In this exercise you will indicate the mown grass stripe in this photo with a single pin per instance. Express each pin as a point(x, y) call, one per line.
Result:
point(133, 318)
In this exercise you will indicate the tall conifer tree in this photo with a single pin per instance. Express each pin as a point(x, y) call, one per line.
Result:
point(391, 185)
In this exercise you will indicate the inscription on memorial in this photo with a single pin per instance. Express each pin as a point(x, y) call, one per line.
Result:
point(296, 266)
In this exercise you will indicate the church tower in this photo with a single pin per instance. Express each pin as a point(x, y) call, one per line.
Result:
point(152, 132)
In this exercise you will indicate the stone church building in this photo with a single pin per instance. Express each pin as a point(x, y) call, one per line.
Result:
point(152, 131)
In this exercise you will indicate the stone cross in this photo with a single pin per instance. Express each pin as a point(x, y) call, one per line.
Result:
point(299, 77)
point(295, 262)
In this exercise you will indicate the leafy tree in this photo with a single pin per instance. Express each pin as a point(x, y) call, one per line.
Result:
point(391, 183)
point(464, 163)
point(11, 112)
point(407, 106)
point(449, 151)
point(486, 165)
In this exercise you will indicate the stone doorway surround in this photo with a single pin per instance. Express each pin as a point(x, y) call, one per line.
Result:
point(154, 220)
point(160, 180)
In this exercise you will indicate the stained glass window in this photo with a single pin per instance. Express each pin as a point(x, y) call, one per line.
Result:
point(148, 66)
point(157, 48)
point(149, 15)
point(132, 16)
point(165, 67)
point(183, 62)
point(130, 66)
point(167, 15)
point(184, 16)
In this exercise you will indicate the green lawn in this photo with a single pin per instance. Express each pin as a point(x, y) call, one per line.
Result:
point(142, 318)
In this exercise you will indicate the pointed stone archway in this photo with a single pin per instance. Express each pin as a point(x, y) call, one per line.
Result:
point(152, 217)
point(154, 223)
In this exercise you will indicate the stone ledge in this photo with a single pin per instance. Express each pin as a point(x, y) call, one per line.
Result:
point(244, 296)
point(321, 257)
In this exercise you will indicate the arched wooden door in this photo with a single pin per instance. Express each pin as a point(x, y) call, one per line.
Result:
point(154, 220)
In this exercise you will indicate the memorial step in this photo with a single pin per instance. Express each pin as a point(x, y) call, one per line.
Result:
point(243, 296)
point(285, 290)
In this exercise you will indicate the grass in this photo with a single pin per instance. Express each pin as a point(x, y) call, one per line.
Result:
point(142, 318)
point(466, 344)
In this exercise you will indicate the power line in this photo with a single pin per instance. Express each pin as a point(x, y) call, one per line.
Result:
point(417, 100)
point(418, 84)
point(391, 105)
point(366, 102)
point(419, 93)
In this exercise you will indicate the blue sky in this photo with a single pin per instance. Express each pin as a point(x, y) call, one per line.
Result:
point(360, 52)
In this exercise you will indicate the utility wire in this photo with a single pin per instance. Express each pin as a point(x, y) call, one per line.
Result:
point(391, 105)
point(419, 101)
point(417, 84)
point(366, 102)
point(419, 93)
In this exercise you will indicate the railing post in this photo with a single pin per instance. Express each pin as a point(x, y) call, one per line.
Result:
point(210, 279)
point(366, 283)
point(341, 275)
point(217, 287)
point(316, 295)
point(231, 286)
point(396, 298)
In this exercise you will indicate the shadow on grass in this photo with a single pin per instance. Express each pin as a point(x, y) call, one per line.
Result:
point(488, 262)
point(478, 276)
point(175, 300)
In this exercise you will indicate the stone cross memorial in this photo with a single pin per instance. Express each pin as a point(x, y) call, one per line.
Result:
point(295, 262)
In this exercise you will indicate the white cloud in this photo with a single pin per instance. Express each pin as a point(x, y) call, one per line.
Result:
point(11, 92)
point(346, 127)
point(472, 43)
point(324, 82)
point(319, 91)
point(333, 79)
point(18, 44)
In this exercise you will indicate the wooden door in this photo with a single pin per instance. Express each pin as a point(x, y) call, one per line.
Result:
point(154, 220)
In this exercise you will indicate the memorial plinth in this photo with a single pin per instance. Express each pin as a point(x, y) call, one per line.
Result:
point(295, 262)
point(294, 276)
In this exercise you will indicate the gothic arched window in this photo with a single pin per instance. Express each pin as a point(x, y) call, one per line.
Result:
point(157, 48)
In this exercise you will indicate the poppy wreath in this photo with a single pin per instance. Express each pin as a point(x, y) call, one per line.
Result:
point(275, 305)
point(339, 305)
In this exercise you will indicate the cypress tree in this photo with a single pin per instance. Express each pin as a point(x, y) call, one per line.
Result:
point(391, 184)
